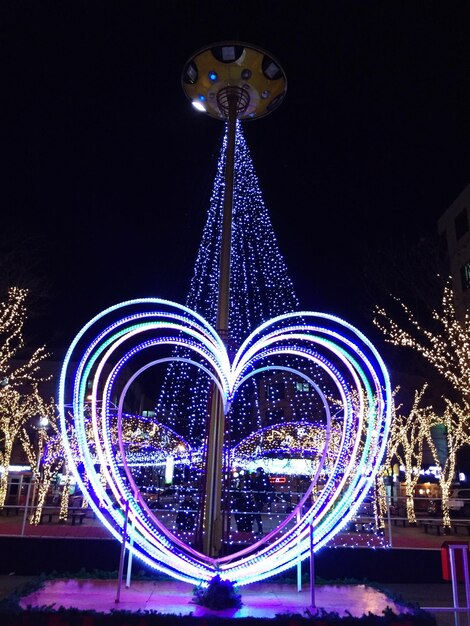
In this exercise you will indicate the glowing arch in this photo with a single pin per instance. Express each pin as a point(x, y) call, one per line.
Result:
point(111, 340)
point(302, 440)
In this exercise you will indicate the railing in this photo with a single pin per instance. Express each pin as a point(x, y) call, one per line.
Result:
point(246, 524)
point(15, 519)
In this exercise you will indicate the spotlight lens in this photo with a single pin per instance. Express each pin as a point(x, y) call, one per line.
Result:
point(198, 105)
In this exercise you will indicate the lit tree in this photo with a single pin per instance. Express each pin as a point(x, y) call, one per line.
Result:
point(19, 397)
point(456, 422)
point(447, 349)
point(16, 410)
point(45, 452)
point(16, 374)
point(65, 495)
point(384, 471)
point(408, 433)
point(260, 289)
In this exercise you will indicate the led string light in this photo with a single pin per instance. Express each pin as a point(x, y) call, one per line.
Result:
point(106, 455)
point(154, 544)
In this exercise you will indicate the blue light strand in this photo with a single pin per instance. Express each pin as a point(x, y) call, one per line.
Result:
point(158, 545)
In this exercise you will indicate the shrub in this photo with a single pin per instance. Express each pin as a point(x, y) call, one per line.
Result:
point(220, 594)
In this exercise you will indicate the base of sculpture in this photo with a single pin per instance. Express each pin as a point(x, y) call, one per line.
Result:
point(262, 600)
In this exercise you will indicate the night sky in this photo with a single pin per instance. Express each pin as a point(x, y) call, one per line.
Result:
point(107, 170)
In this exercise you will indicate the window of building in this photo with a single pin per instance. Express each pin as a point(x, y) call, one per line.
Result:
point(461, 224)
point(302, 386)
point(465, 276)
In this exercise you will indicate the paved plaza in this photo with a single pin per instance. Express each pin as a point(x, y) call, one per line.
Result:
point(260, 599)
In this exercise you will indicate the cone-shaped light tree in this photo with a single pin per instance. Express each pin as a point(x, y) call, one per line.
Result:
point(260, 290)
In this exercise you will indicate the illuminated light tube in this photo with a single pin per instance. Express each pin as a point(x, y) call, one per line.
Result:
point(341, 351)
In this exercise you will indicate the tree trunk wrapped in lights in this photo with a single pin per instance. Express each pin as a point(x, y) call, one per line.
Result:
point(65, 497)
point(48, 474)
point(5, 456)
point(381, 497)
point(44, 450)
point(16, 410)
point(407, 436)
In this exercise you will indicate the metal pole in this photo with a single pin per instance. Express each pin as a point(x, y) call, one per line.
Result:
point(299, 560)
point(466, 576)
point(25, 516)
point(129, 556)
point(312, 569)
point(212, 521)
point(226, 245)
point(123, 553)
point(456, 609)
point(389, 521)
point(453, 576)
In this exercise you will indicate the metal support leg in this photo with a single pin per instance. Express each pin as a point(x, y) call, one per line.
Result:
point(389, 521)
point(312, 570)
point(129, 557)
point(453, 577)
point(299, 561)
point(467, 578)
point(123, 554)
point(26, 508)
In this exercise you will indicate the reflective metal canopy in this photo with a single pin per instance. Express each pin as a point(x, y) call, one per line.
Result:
point(227, 67)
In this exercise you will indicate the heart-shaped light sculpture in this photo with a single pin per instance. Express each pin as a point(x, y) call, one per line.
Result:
point(112, 339)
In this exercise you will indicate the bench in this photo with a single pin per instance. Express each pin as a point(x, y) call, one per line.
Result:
point(49, 515)
point(77, 516)
point(10, 509)
point(74, 515)
point(456, 525)
point(429, 525)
